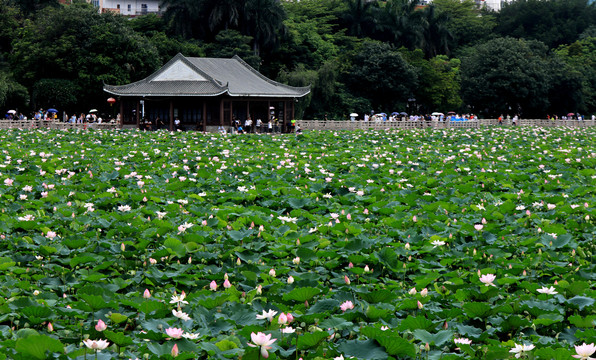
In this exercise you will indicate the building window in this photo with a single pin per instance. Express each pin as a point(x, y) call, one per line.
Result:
point(129, 7)
point(118, 6)
point(143, 9)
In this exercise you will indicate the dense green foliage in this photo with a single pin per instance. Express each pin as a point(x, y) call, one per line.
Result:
point(357, 55)
point(406, 225)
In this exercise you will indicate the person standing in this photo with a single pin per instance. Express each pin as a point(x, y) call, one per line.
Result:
point(248, 125)
point(258, 126)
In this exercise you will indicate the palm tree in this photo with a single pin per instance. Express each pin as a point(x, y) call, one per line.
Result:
point(402, 20)
point(223, 14)
point(436, 35)
point(359, 17)
point(181, 14)
point(263, 20)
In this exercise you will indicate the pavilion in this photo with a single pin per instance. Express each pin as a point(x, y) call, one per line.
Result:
point(205, 93)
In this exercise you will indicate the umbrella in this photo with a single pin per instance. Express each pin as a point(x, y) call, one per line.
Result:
point(451, 113)
point(383, 114)
point(394, 113)
point(353, 114)
point(52, 110)
point(437, 113)
point(92, 111)
point(570, 114)
point(11, 112)
point(403, 113)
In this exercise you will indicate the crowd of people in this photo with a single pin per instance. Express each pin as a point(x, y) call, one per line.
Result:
point(52, 115)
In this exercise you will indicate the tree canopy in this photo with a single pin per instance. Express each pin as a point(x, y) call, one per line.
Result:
point(534, 56)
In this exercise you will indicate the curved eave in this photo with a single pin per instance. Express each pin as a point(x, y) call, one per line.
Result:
point(300, 92)
point(163, 95)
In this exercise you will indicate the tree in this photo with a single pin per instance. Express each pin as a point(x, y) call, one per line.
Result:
point(577, 74)
point(507, 76)
point(380, 74)
point(438, 81)
point(76, 43)
point(229, 43)
point(436, 35)
point(180, 15)
point(28, 7)
point(264, 22)
point(467, 23)
point(403, 22)
point(554, 22)
point(359, 17)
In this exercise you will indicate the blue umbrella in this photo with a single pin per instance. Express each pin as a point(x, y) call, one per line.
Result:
point(394, 113)
point(52, 110)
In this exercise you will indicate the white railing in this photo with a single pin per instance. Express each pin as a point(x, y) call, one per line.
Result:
point(40, 124)
point(382, 125)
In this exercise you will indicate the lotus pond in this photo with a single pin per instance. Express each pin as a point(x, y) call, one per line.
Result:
point(417, 244)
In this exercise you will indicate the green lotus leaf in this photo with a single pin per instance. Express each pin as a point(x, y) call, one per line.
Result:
point(309, 340)
point(301, 294)
point(39, 346)
point(437, 339)
point(366, 349)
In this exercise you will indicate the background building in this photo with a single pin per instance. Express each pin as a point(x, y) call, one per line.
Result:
point(128, 7)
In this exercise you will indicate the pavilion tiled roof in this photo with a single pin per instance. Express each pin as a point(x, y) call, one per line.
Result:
point(193, 76)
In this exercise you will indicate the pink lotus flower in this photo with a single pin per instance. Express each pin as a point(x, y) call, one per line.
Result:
point(8, 182)
point(584, 351)
point(51, 235)
point(267, 315)
point(174, 333)
point(283, 319)
point(213, 286)
point(346, 279)
point(420, 306)
point(347, 305)
point(96, 344)
point(290, 317)
point(175, 351)
point(550, 291)
point(414, 219)
point(263, 341)
point(227, 284)
point(50, 327)
point(101, 326)
point(478, 227)
point(146, 294)
point(488, 279)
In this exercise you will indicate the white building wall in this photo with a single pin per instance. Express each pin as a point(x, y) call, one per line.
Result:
point(130, 7)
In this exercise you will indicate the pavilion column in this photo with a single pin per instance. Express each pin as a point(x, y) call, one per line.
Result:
point(172, 115)
point(138, 114)
point(204, 116)
point(283, 126)
point(293, 110)
point(121, 113)
point(221, 112)
point(248, 112)
point(230, 119)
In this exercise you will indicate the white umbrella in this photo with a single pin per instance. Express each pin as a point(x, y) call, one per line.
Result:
point(92, 110)
point(437, 113)
point(353, 114)
point(11, 111)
